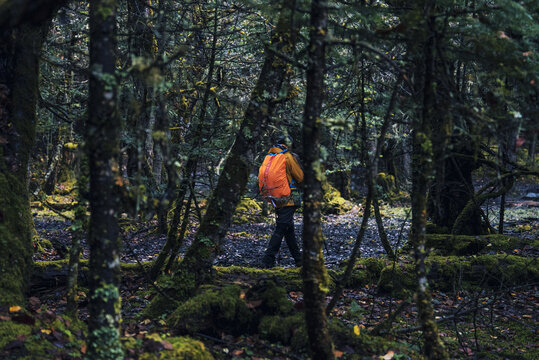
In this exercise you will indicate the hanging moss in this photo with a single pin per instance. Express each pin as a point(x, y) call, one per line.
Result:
point(214, 310)
point(452, 272)
point(15, 239)
point(333, 202)
point(247, 211)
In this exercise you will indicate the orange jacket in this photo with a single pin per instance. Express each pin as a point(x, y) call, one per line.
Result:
point(293, 169)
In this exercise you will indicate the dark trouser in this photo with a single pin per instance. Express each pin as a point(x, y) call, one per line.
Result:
point(284, 228)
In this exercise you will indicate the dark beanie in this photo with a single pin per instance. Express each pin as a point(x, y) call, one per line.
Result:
point(284, 139)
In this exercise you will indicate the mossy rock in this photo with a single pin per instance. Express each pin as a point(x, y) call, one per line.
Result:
point(273, 299)
point(366, 271)
point(42, 245)
point(183, 348)
point(333, 202)
point(387, 183)
point(213, 310)
point(452, 272)
point(247, 211)
point(281, 329)
point(177, 288)
point(447, 244)
point(291, 330)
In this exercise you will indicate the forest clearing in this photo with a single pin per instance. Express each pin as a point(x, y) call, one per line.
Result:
point(249, 180)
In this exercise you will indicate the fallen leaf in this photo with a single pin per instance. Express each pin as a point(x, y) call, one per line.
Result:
point(167, 345)
point(83, 349)
point(46, 331)
point(15, 308)
point(237, 352)
point(357, 331)
point(389, 355)
point(338, 353)
point(254, 304)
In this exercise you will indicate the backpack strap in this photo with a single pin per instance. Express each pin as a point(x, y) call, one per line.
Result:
point(282, 152)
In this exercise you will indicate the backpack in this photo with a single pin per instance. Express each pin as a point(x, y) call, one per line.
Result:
point(272, 179)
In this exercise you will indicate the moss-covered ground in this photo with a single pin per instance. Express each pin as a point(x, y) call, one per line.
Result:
point(484, 295)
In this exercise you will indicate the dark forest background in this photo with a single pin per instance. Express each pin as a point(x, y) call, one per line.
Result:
point(131, 132)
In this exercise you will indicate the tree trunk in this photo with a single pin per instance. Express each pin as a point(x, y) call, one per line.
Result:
point(421, 171)
point(19, 77)
point(233, 179)
point(314, 273)
point(103, 132)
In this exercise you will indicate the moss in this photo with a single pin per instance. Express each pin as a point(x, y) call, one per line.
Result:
point(366, 271)
point(16, 229)
point(333, 202)
point(274, 299)
point(387, 183)
point(289, 278)
point(37, 342)
point(214, 309)
point(42, 245)
point(282, 329)
point(432, 228)
point(291, 330)
point(9, 331)
point(247, 211)
point(469, 245)
point(177, 288)
point(452, 272)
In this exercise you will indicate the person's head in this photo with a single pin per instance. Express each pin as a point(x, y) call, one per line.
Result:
point(284, 139)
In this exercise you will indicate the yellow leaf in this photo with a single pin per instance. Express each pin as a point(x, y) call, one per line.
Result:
point(14, 308)
point(357, 330)
point(46, 331)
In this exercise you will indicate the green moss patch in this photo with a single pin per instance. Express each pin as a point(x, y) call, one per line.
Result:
point(213, 310)
point(154, 347)
point(333, 202)
point(446, 244)
point(452, 272)
point(34, 336)
point(247, 211)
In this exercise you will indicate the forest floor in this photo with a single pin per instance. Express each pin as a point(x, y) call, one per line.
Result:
point(493, 323)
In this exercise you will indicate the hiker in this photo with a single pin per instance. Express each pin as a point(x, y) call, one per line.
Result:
point(278, 177)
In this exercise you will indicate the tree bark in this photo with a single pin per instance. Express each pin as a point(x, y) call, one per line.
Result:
point(102, 137)
point(421, 172)
point(314, 273)
point(19, 78)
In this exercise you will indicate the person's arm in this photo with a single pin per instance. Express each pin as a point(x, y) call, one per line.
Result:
point(294, 168)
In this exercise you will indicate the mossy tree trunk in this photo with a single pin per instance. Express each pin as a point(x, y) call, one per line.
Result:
point(233, 179)
point(103, 132)
point(422, 171)
point(19, 80)
point(314, 273)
